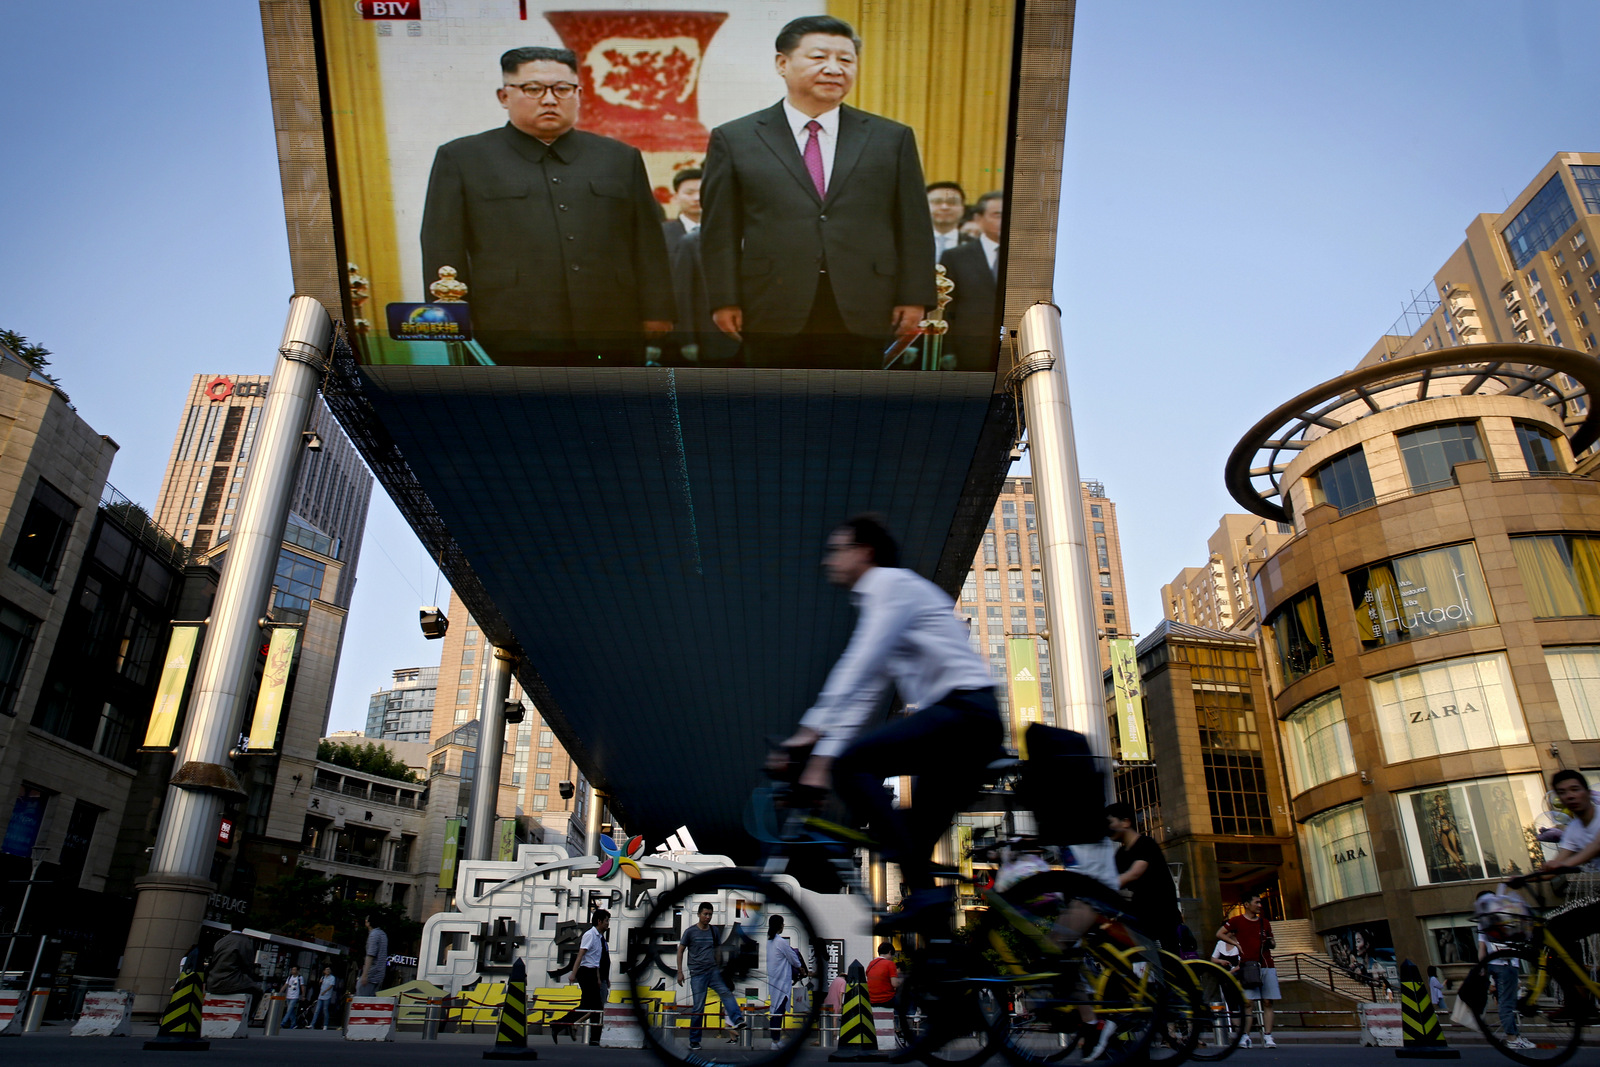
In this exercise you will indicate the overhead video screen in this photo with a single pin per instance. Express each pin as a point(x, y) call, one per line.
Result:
point(760, 183)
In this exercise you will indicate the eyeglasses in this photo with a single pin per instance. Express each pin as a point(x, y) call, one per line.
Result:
point(536, 90)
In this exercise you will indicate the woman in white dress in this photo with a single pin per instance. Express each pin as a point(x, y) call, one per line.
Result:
point(784, 968)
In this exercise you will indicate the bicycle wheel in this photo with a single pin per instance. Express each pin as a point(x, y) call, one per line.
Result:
point(674, 1030)
point(1184, 1018)
point(949, 1010)
point(1532, 1005)
point(1225, 1013)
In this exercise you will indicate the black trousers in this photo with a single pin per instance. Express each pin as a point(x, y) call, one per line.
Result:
point(948, 746)
point(593, 1000)
point(824, 342)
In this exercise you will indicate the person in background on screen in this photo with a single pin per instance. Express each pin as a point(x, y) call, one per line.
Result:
point(555, 231)
point(686, 198)
point(970, 227)
point(974, 267)
point(817, 241)
point(947, 203)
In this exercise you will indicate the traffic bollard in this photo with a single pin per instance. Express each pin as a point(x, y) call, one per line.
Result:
point(36, 1005)
point(430, 1020)
point(274, 1019)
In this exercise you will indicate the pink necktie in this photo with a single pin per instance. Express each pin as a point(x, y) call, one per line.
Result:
point(813, 158)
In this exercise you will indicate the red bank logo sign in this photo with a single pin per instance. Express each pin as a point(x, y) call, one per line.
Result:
point(389, 9)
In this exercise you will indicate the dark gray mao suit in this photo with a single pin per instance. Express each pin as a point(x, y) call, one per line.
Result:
point(560, 245)
point(974, 333)
point(818, 279)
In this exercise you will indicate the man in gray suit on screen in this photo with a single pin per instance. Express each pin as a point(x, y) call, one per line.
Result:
point(816, 237)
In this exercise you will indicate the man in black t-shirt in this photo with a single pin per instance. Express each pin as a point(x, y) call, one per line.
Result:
point(1142, 872)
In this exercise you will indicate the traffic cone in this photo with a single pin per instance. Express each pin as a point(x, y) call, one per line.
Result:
point(511, 1037)
point(180, 1023)
point(1419, 1023)
point(858, 1036)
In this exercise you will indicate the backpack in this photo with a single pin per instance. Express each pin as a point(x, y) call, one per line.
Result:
point(1064, 782)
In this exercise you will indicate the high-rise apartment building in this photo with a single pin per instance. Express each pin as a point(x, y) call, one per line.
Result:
point(539, 763)
point(1003, 595)
point(1217, 595)
point(1529, 273)
point(212, 451)
point(404, 711)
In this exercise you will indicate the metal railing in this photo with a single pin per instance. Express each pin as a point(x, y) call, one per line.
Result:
point(1323, 972)
point(134, 519)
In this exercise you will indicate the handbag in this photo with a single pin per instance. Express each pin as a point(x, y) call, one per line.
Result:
point(1250, 974)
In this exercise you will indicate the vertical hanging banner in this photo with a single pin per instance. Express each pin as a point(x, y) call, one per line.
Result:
point(506, 840)
point(1130, 700)
point(1023, 671)
point(452, 847)
point(263, 734)
point(175, 669)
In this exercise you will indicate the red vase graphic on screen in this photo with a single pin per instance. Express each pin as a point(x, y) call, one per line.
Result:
point(641, 73)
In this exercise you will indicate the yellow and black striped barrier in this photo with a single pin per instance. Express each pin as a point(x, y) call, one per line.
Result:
point(511, 1036)
point(180, 1023)
point(858, 1034)
point(1421, 1035)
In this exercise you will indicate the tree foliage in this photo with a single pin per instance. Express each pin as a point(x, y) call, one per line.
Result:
point(34, 355)
point(370, 758)
point(305, 904)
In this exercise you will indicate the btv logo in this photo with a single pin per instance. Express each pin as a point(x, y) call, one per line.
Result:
point(389, 9)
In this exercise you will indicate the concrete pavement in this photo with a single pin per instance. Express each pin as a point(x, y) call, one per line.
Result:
point(53, 1047)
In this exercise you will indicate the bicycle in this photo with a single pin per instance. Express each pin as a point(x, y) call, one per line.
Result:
point(1554, 992)
point(954, 1008)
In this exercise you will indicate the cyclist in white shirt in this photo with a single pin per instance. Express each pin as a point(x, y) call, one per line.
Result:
point(908, 636)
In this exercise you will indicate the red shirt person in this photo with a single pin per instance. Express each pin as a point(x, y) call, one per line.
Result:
point(883, 977)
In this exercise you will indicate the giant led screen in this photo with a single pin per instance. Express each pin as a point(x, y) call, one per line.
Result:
point(758, 183)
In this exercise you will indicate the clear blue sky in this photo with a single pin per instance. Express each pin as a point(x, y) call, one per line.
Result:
point(1251, 193)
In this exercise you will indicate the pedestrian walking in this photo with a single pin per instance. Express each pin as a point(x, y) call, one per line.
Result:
point(293, 989)
point(592, 968)
point(1251, 933)
point(376, 966)
point(1506, 975)
point(1435, 990)
point(699, 943)
point(784, 968)
point(328, 991)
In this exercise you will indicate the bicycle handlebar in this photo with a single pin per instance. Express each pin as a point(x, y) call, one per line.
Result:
point(1522, 880)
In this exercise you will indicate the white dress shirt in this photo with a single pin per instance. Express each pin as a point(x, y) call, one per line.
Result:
point(944, 242)
point(827, 137)
point(589, 948)
point(689, 225)
point(991, 249)
point(907, 634)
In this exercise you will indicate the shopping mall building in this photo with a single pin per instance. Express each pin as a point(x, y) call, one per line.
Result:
point(1432, 629)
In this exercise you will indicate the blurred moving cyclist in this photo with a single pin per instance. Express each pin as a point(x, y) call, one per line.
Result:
point(908, 635)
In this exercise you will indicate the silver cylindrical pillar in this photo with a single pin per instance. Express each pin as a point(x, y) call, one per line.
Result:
point(171, 900)
point(481, 811)
point(1074, 645)
point(593, 818)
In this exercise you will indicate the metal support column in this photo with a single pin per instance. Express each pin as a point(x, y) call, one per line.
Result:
point(481, 809)
point(1074, 636)
point(172, 896)
point(592, 822)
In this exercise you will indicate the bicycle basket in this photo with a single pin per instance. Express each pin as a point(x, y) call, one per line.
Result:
point(1063, 781)
point(1505, 917)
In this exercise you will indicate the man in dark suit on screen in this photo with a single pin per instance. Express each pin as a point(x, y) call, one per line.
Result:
point(816, 237)
point(974, 267)
point(554, 230)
